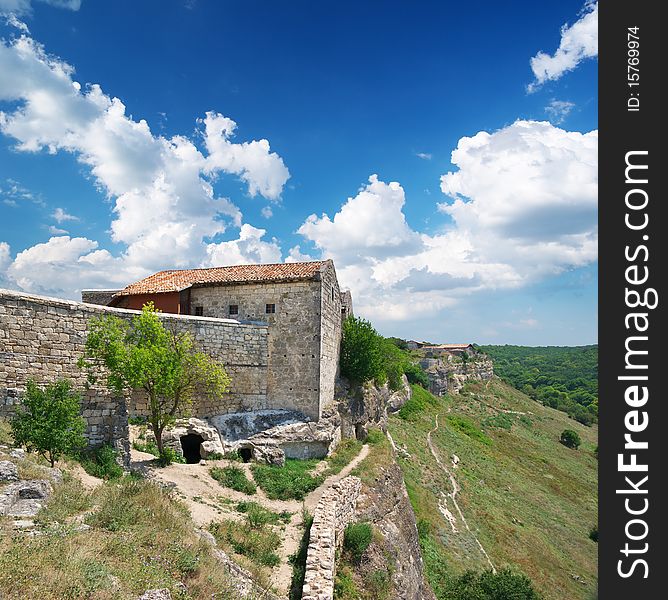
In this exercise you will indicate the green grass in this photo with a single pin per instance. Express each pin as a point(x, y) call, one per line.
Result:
point(140, 538)
point(347, 449)
point(258, 516)
point(290, 482)
point(530, 500)
point(298, 559)
point(234, 478)
point(101, 462)
point(259, 544)
point(419, 401)
point(6, 437)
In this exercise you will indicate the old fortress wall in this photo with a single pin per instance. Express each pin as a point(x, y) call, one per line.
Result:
point(42, 338)
point(334, 512)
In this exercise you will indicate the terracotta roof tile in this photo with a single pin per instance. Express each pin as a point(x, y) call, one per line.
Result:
point(177, 280)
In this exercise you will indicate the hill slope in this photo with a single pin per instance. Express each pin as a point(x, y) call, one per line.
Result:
point(521, 498)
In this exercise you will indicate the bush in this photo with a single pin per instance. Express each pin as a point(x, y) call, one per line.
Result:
point(292, 481)
point(570, 439)
point(49, 421)
point(488, 585)
point(101, 462)
point(361, 356)
point(356, 540)
point(233, 477)
point(593, 534)
point(415, 374)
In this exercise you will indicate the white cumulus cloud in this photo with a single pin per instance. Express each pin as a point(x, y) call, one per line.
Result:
point(578, 42)
point(522, 205)
point(165, 209)
point(249, 247)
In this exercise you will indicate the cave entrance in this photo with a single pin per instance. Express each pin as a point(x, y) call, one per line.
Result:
point(246, 454)
point(190, 444)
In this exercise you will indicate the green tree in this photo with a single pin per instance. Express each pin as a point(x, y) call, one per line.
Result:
point(144, 355)
point(570, 439)
point(361, 351)
point(49, 420)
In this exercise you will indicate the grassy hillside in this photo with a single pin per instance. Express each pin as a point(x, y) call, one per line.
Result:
point(565, 378)
point(529, 502)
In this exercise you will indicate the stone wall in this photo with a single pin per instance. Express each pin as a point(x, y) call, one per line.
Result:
point(334, 512)
point(42, 338)
point(330, 335)
point(293, 376)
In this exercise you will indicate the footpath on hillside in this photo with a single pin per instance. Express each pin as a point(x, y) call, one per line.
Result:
point(209, 501)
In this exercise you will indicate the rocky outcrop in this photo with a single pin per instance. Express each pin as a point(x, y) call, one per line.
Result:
point(449, 374)
point(271, 436)
point(210, 444)
point(385, 504)
point(335, 510)
point(8, 471)
point(24, 498)
point(361, 407)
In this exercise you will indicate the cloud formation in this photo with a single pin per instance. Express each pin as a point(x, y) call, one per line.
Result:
point(24, 7)
point(166, 212)
point(578, 42)
point(558, 110)
point(522, 205)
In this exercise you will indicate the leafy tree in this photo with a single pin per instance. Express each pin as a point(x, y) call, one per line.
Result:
point(361, 352)
point(49, 420)
point(416, 374)
point(144, 355)
point(570, 439)
point(502, 585)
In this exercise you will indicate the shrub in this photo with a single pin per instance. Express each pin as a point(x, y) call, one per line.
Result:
point(593, 534)
point(292, 481)
point(570, 439)
point(233, 477)
point(488, 585)
point(361, 356)
point(137, 420)
point(101, 462)
point(49, 421)
point(415, 374)
point(356, 540)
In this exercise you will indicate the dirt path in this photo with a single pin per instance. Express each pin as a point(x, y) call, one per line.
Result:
point(443, 507)
point(208, 501)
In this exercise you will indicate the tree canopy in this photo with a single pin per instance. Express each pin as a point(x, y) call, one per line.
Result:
point(144, 355)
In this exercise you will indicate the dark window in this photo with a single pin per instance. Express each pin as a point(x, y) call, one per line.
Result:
point(234, 309)
point(332, 294)
point(199, 311)
point(270, 309)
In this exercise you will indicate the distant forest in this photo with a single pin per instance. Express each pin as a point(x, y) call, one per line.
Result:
point(565, 378)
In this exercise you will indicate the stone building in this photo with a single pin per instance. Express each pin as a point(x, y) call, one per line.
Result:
point(301, 302)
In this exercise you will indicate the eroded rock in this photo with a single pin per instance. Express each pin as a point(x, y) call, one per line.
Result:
point(8, 471)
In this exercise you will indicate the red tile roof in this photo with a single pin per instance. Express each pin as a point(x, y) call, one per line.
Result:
point(177, 280)
point(448, 346)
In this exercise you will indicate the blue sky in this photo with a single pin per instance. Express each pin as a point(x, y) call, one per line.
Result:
point(136, 136)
